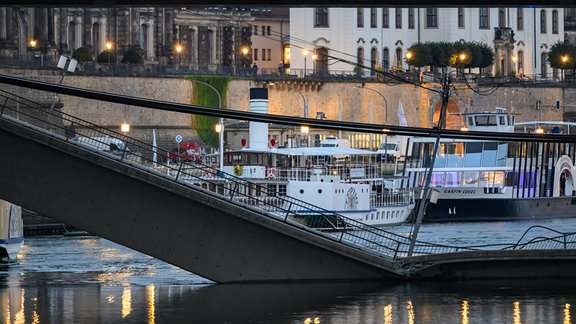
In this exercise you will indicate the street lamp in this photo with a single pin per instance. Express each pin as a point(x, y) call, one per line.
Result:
point(564, 61)
point(220, 126)
point(383, 98)
point(314, 57)
point(109, 47)
point(33, 44)
point(245, 51)
point(178, 49)
point(514, 60)
point(304, 97)
point(124, 127)
point(408, 57)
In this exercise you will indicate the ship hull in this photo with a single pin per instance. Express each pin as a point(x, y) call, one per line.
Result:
point(504, 209)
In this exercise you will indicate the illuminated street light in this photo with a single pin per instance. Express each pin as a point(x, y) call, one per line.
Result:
point(125, 127)
point(33, 44)
point(109, 47)
point(178, 50)
point(564, 61)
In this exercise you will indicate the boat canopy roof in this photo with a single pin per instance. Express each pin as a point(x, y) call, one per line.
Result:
point(309, 151)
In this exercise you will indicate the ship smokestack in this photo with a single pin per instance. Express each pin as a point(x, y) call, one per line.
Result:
point(258, 138)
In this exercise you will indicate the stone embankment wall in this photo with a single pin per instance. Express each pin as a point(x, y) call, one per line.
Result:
point(377, 102)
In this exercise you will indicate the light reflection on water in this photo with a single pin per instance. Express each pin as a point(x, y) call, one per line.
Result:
point(92, 280)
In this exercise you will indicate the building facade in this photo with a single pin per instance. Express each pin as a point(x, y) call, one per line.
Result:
point(222, 40)
point(379, 37)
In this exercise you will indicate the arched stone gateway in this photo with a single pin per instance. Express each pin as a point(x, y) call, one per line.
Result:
point(454, 118)
point(564, 177)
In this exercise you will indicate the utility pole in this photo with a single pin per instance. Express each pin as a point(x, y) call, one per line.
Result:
point(425, 194)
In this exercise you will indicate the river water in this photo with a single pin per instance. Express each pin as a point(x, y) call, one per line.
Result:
point(93, 280)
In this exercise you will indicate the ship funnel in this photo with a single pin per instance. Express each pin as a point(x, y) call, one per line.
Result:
point(258, 138)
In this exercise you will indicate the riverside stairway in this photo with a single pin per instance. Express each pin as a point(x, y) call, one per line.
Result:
point(218, 226)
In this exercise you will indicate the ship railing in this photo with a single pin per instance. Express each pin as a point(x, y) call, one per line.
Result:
point(62, 127)
point(401, 196)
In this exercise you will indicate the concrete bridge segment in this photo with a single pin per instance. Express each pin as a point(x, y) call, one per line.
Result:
point(185, 227)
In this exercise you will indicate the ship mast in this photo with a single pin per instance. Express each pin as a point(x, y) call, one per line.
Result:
point(425, 193)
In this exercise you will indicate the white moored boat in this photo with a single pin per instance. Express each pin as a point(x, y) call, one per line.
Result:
point(486, 180)
point(346, 181)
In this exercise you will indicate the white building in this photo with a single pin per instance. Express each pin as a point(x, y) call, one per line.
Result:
point(379, 37)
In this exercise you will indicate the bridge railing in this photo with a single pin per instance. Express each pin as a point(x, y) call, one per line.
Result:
point(258, 197)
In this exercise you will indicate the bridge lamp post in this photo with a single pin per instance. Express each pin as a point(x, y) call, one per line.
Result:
point(219, 128)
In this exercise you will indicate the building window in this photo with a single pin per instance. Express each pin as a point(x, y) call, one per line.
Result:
point(373, 18)
point(398, 18)
point(520, 19)
point(385, 18)
point(543, 22)
point(460, 17)
point(431, 18)
point(484, 18)
point(544, 67)
point(399, 57)
point(268, 30)
point(263, 54)
point(386, 59)
point(501, 17)
point(269, 54)
point(255, 30)
point(410, 18)
point(373, 60)
point(263, 30)
point(321, 17)
point(360, 17)
point(360, 58)
point(255, 54)
point(555, 22)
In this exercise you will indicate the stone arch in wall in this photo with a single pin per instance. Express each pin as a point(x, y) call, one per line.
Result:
point(564, 171)
point(454, 119)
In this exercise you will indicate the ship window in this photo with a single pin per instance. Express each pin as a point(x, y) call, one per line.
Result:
point(489, 154)
point(319, 191)
point(455, 153)
point(502, 120)
point(301, 191)
point(473, 154)
point(502, 154)
point(470, 121)
point(470, 178)
point(485, 120)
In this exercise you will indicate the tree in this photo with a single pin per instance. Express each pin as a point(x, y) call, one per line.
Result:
point(562, 55)
point(106, 57)
point(133, 56)
point(83, 54)
point(421, 55)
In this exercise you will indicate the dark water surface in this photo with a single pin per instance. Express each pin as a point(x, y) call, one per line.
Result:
point(92, 280)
